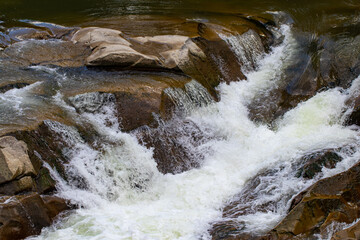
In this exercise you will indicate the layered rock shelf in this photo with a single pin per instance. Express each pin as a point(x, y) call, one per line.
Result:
point(142, 77)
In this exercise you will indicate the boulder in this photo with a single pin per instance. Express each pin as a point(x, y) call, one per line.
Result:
point(94, 36)
point(111, 49)
point(137, 101)
point(121, 56)
point(16, 186)
point(249, 200)
point(54, 30)
point(218, 54)
point(16, 169)
point(354, 117)
point(174, 145)
point(350, 233)
point(333, 199)
point(25, 215)
point(50, 52)
point(44, 145)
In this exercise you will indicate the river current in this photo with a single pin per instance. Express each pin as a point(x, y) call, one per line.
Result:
point(124, 196)
point(183, 206)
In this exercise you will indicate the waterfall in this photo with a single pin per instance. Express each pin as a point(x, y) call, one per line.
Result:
point(123, 196)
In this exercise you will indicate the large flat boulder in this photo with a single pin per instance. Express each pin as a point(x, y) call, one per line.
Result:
point(43, 52)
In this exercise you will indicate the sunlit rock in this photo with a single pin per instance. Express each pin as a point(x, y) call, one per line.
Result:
point(15, 162)
point(94, 36)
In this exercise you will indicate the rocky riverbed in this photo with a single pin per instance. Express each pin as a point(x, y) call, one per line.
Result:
point(78, 103)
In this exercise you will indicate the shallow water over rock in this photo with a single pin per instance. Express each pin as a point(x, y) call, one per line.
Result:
point(179, 120)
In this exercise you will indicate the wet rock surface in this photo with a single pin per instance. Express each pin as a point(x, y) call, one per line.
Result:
point(350, 233)
point(334, 199)
point(25, 215)
point(255, 198)
point(207, 54)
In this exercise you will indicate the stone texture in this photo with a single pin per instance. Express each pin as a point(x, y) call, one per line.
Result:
point(121, 56)
point(94, 36)
point(25, 33)
point(334, 199)
point(315, 162)
point(40, 52)
point(351, 233)
point(354, 117)
point(14, 160)
point(25, 215)
point(44, 145)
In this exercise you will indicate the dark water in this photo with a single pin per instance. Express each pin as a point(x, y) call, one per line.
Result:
point(316, 16)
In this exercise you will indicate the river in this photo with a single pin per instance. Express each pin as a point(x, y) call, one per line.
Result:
point(235, 148)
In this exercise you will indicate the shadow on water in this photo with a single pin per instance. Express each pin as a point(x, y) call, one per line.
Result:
point(309, 15)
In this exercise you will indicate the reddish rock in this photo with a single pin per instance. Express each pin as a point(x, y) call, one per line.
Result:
point(351, 233)
point(25, 215)
point(334, 199)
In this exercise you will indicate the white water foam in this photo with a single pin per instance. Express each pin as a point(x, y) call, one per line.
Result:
point(182, 206)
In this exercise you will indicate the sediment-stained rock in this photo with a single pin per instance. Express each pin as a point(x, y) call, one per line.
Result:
point(16, 169)
point(25, 215)
point(350, 233)
point(41, 52)
point(334, 199)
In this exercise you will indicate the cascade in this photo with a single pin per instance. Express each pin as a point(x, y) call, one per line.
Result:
point(122, 195)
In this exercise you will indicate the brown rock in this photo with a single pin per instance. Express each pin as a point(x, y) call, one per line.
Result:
point(17, 186)
point(354, 117)
point(136, 101)
point(54, 205)
point(111, 49)
point(122, 56)
point(25, 215)
point(351, 233)
point(14, 160)
point(331, 199)
point(315, 162)
point(19, 34)
point(94, 36)
point(35, 52)
point(44, 145)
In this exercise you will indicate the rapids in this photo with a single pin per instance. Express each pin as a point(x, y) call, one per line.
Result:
point(122, 195)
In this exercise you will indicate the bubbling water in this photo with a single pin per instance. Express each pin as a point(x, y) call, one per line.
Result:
point(124, 196)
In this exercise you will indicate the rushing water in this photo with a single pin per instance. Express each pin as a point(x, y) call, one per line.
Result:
point(117, 186)
point(123, 196)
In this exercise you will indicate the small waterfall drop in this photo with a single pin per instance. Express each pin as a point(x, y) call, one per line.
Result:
point(124, 196)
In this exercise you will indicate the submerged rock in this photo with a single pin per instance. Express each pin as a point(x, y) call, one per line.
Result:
point(315, 162)
point(19, 34)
